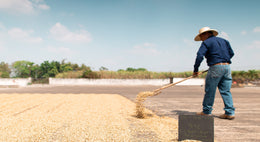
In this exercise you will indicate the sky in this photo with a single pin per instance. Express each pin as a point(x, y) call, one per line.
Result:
point(154, 34)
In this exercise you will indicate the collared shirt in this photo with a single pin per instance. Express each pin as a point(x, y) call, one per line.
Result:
point(216, 50)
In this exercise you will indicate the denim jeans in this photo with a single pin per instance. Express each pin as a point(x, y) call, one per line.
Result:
point(218, 76)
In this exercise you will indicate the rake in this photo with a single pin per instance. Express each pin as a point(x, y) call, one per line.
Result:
point(141, 97)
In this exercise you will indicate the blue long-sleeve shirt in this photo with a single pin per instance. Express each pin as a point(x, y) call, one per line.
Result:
point(216, 50)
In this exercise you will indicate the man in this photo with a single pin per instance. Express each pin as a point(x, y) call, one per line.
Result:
point(218, 53)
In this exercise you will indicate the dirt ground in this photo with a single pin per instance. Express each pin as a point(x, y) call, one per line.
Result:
point(54, 112)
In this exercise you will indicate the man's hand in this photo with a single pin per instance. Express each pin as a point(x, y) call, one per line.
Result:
point(195, 74)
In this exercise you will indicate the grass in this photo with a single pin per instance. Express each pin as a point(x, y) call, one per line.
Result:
point(238, 76)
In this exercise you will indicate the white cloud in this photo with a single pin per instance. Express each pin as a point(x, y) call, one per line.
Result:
point(255, 45)
point(149, 44)
point(145, 49)
point(23, 35)
point(224, 35)
point(38, 1)
point(244, 32)
point(59, 50)
point(22, 6)
point(256, 29)
point(43, 7)
point(61, 33)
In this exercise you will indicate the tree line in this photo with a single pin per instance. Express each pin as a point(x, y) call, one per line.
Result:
point(25, 69)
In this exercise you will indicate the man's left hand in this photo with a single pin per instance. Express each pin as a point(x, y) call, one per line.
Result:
point(195, 74)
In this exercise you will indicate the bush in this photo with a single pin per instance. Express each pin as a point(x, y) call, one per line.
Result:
point(245, 76)
point(90, 74)
point(40, 81)
point(4, 74)
point(70, 74)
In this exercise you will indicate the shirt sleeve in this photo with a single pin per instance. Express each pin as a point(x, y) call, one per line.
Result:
point(230, 50)
point(200, 56)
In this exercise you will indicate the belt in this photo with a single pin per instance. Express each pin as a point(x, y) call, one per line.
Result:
point(221, 64)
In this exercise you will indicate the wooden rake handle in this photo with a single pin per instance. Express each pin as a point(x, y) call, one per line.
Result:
point(172, 84)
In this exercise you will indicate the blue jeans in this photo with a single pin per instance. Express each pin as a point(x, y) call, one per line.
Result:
point(218, 76)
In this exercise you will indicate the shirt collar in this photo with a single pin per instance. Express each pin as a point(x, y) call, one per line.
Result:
point(209, 37)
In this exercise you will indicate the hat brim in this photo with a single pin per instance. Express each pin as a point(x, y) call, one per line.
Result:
point(215, 33)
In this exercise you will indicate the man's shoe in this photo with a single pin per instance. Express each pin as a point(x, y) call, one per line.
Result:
point(229, 117)
point(202, 113)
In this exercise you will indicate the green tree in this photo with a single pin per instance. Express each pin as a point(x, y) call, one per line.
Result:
point(48, 69)
point(22, 68)
point(53, 71)
point(4, 70)
point(84, 67)
point(103, 69)
point(65, 67)
point(75, 67)
point(35, 71)
point(57, 65)
point(141, 69)
point(130, 69)
point(44, 68)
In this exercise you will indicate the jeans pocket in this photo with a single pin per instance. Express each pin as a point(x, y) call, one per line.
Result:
point(215, 72)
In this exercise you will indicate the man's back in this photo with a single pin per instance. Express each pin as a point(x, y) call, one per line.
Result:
point(218, 50)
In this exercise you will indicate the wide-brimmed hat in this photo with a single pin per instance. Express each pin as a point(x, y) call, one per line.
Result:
point(203, 30)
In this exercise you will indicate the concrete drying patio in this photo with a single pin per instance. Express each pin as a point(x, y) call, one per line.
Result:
point(182, 100)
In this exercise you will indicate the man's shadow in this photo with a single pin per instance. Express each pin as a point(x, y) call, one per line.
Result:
point(181, 112)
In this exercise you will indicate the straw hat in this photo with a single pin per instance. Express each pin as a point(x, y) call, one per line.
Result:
point(203, 30)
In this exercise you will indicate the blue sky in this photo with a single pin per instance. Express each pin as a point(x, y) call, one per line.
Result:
point(154, 34)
